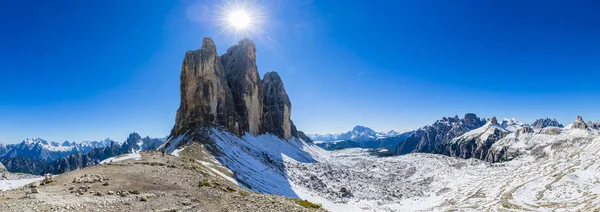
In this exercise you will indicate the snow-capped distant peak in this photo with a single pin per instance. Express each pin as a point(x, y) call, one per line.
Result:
point(512, 124)
point(358, 133)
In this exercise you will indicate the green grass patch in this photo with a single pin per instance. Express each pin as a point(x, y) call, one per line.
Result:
point(307, 204)
point(243, 193)
point(204, 184)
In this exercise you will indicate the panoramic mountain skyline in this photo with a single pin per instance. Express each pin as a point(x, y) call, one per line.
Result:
point(390, 66)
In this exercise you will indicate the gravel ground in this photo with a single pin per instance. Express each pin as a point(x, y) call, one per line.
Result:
point(152, 183)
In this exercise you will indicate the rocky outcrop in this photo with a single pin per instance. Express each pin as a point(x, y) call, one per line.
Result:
point(205, 94)
point(545, 122)
point(277, 108)
point(2, 169)
point(493, 120)
point(429, 137)
point(246, 87)
point(593, 125)
point(474, 144)
point(524, 130)
point(579, 124)
point(304, 137)
point(227, 91)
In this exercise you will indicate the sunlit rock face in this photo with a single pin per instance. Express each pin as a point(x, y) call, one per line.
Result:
point(579, 123)
point(205, 94)
point(226, 91)
point(242, 77)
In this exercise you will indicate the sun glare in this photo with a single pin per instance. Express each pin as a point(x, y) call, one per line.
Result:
point(239, 19)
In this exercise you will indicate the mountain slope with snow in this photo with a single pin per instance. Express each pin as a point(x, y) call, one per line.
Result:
point(550, 168)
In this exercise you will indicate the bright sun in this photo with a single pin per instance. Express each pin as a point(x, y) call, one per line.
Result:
point(239, 19)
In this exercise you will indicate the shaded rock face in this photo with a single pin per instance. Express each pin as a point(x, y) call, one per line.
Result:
point(245, 84)
point(429, 137)
point(524, 130)
point(227, 92)
point(594, 125)
point(546, 122)
point(205, 94)
point(303, 136)
point(277, 106)
point(579, 123)
point(474, 147)
point(493, 120)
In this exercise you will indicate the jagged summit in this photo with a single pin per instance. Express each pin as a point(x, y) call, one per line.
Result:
point(579, 124)
point(493, 120)
point(226, 91)
point(546, 122)
point(277, 108)
point(427, 138)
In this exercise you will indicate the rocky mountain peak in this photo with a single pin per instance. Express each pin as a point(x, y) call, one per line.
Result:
point(359, 128)
point(524, 130)
point(227, 91)
point(546, 122)
point(208, 45)
point(579, 123)
point(239, 63)
point(471, 120)
point(493, 120)
point(277, 108)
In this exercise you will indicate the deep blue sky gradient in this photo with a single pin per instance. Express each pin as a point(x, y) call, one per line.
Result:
point(87, 70)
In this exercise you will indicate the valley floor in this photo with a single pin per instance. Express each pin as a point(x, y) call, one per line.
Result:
point(561, 173)
point(430, 182)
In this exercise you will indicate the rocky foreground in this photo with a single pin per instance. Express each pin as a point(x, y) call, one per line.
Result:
point(150, 183)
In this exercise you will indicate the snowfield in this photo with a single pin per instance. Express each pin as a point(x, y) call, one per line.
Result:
point(136, 155)
point(13, 184)
point(552, 170)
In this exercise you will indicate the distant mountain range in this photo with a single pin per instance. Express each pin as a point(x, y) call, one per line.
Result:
point(359, 137)
point(38, 156)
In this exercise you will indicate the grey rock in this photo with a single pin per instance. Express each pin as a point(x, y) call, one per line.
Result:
point(205, 95)
point(546, 122)
point(524, 130)
point(493, 120)
point(277, 108)
point(303, 136)
point(429, 137)
point(579, 123)
point(242, 76)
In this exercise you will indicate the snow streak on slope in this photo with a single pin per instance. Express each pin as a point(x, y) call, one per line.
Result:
point(257, 161)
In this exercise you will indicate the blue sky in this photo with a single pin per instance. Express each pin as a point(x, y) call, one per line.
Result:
point(87, 70)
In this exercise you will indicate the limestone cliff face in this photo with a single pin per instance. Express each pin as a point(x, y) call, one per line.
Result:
point(277, 109)
point(227, 92)
point(205, 94)
point(246, 87)
point(579, 123)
